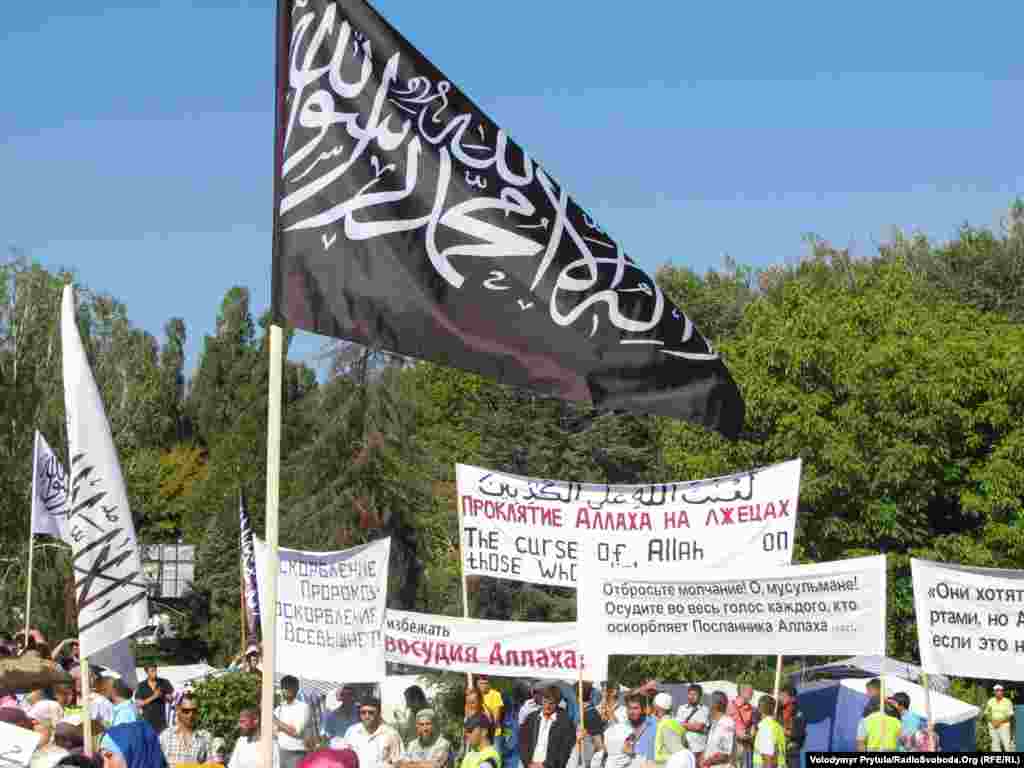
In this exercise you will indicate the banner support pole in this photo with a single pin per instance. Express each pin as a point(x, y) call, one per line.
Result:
point(31, 537)
point(270, 577)
point(465, 587)
point(86, 713)
point(778, 676)
point(928, 708)
point(28, 588)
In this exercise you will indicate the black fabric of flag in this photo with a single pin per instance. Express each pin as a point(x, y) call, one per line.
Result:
point(250, 590)
point(406, 219)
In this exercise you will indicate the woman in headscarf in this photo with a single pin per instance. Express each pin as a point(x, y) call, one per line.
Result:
point(132, 745)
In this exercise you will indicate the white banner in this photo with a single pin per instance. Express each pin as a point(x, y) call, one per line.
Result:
point(111, 588)
point(970, 621)
point(531, 530)
point(330, 611)
point(825, 609)
point(481, 646)
point(119, 658)
point(16, 745)
point(49, 491)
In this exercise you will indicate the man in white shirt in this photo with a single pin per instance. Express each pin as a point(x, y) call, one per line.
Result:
point(290, 721)
point(721, 741)
point(378, 745)
point(693, 716)
point(247, 749)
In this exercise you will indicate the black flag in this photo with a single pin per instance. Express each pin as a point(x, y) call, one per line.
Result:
point(406, 219)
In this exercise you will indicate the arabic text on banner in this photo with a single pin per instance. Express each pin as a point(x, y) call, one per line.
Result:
point(528, 529)
point(49, 491)
point(330, 611)
point(822, 609)
point(970, 621)
point(407, 219)
point(481, 646)
point(111, 588)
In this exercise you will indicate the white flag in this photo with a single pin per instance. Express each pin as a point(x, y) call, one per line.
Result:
point(110, 585)
point(49, 491)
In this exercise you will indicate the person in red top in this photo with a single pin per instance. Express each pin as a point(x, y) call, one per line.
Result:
point(743, 714)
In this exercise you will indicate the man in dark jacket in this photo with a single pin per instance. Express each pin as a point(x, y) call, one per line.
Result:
point(548, 737)
point(793, 723)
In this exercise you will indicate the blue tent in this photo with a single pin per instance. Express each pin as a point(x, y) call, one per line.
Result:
point(833, 709)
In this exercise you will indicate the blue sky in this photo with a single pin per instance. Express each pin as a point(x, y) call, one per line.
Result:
point(137, 136)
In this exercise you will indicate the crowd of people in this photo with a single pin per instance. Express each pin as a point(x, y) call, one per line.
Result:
point(534, 724)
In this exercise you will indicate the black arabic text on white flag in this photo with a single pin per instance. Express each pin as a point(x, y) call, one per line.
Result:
point(109, 583)
point(49, 491)
point(408, 219)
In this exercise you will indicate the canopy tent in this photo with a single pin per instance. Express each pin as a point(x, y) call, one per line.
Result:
point(833, 709)
point(866, 667)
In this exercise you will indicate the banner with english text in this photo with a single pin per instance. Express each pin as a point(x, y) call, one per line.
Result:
point(482, 646)
point(970, 621)
point(531, 530)
point(824, 609)
point(407, 220)
point(330, 611)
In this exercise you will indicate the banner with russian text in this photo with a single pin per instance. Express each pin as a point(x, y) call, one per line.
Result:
point(330, 611)
point(482, 646)
point(529, 529)
point(825, 609)
point(970, 621)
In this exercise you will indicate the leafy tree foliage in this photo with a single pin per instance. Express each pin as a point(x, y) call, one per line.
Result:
point(898, 380)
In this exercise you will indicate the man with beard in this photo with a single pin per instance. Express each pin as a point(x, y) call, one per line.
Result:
point(640, 741)
point(429, 749)
point(247, 749)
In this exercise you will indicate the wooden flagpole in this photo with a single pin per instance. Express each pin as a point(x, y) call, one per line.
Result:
point(778, 677)
point(269, 615)
point(465, 588)
point(31, 538)
point(28, 589)
point(86, 713)
point(582, 733)
point(928, 709)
